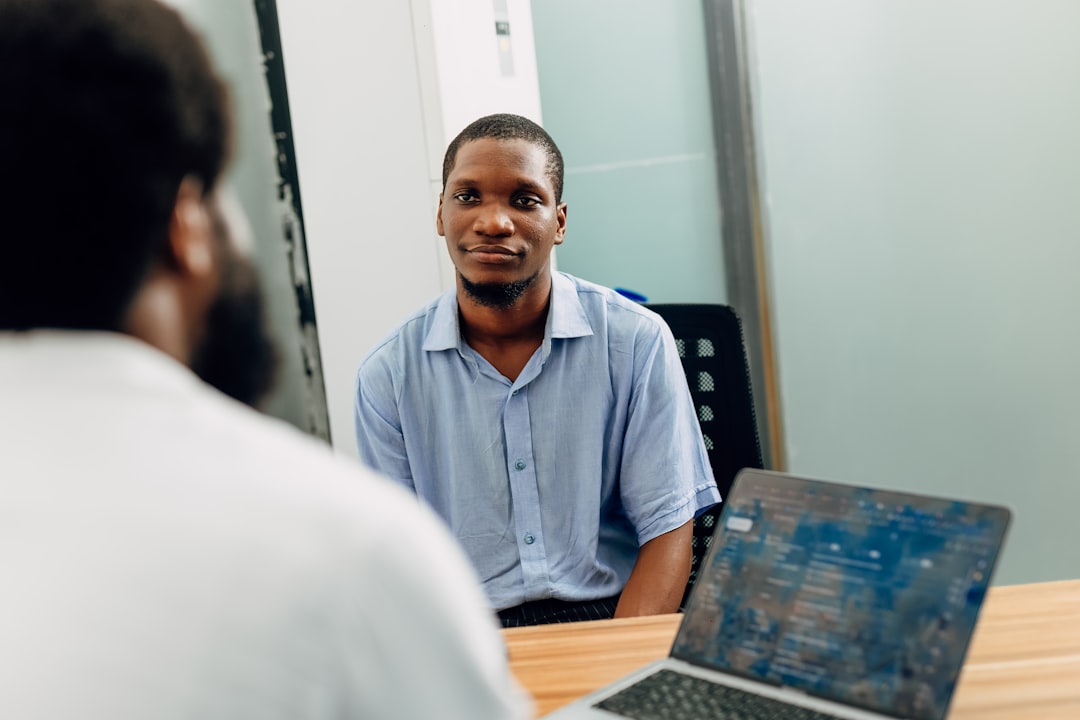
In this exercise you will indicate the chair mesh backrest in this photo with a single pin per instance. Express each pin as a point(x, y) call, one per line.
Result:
point(710, 343)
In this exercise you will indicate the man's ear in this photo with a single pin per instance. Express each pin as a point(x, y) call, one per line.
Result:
point(438, 218)
point(560, 215)
point(191, 236)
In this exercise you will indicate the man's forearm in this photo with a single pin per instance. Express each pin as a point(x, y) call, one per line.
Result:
point(659, 577)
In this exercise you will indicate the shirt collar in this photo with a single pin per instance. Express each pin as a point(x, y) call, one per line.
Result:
point(566, 317)
point(444, 333)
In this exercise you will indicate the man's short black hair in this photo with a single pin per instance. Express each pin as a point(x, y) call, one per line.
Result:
point(105, 106)
point(504, 126)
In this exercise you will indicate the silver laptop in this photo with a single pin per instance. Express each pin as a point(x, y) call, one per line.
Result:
point(819, 600)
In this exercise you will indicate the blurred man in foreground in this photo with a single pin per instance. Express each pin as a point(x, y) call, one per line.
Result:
point(166, 552)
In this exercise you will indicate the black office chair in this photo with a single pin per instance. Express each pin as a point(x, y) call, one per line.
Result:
point(710, 342)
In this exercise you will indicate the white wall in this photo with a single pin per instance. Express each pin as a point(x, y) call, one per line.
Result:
point(373, 86)
point(922, 175)
point(360, 146)
point(472, 80)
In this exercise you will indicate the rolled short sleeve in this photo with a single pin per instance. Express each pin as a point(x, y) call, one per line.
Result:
point(380, 441)
point(665, 476)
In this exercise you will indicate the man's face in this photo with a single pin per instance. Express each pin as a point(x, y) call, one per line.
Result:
point(236, 354)
point(500, 219)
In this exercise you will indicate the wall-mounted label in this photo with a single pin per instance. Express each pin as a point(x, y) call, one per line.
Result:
point(502, 39)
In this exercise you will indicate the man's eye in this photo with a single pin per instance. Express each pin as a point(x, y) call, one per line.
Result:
point(465, 197)
point(527, 201)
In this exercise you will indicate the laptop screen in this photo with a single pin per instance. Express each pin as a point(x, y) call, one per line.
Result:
point(862, 596)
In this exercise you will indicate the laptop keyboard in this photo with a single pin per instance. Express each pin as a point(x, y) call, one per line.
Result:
point(670, 695)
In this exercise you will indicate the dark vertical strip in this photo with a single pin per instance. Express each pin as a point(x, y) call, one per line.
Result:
point(293, 224)
point(742, 221)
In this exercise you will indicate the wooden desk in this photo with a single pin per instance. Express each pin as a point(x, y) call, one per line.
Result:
point(1023, 663)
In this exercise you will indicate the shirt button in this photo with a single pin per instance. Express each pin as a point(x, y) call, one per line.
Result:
point(515, 392)
point(529, 539)
point(520, 464)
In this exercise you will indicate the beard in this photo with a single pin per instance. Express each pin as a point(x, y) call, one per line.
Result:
point(500, 296)
point(237, 355)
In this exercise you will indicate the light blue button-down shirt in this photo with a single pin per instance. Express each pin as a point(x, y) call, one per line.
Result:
point(551, 482)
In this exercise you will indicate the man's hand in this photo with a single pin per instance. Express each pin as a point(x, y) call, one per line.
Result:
point(658, 581)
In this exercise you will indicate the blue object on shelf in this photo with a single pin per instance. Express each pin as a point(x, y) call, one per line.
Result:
point(635, 296)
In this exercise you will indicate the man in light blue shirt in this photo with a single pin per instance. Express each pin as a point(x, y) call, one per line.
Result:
point(545, 418)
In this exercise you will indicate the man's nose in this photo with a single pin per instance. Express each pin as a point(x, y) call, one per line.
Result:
point(494, 219)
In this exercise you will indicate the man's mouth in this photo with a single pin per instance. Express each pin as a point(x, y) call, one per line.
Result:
point(493, 254)
point(497, 249)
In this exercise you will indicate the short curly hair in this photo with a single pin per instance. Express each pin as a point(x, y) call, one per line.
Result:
point(504, 126)
point(105, 107)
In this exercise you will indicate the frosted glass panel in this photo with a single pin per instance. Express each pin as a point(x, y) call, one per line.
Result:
point(624, 89)
point(922, 179)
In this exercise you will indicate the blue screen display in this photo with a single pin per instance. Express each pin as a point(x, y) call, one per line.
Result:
point(859, 595)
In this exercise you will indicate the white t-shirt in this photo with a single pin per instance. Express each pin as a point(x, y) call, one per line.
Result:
point(166, 552)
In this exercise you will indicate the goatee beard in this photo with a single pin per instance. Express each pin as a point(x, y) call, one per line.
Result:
point(499, 296)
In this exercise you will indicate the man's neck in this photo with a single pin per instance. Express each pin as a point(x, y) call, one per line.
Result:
point(507, 337)
point(158, 317)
